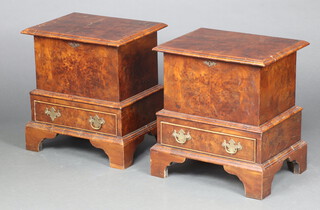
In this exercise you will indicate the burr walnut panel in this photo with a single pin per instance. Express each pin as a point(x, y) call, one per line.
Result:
point(223, 91)
point(277, 87)
point(73, 117)
point(232, 47)
point(130, 114)
point(227, 91)
point(108, 73)
point(208, 141)
point(95, 56)
point(95, 29)
point(229, 99)
point(96, 79)
point(64, 68)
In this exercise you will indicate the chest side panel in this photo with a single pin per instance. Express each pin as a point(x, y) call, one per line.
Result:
point(218, 90)
point(76, 68)
point(282, 135)
point(278, 83)
point(138, 67)
point(141, 112)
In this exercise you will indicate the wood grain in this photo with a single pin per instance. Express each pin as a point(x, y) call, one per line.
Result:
point(90, 66)
point(120, 118)
point(88, 70)
point(259, 143)
point(95, 29)
point(225, 91)
point(120, 150)
point(120, 156)
point(281, 135)
point(229, 99)
point(208, 141)
point(75, 117)
point(256, 178)
point(96, 71)
point(137, 66)
point(35, 136)
point(277, 87)
point(232, 47)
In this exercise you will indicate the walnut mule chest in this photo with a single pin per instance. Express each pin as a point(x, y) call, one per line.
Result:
point(229, 99)
point(97, 79)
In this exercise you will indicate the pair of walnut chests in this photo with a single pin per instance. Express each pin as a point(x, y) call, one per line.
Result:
point(228, 98)
point(97, 79)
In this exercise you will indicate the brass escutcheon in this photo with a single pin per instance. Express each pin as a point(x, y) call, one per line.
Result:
point(181, 136)
point(96, 122)
point(231, 147)
point(74, 44)
point(52, 113)
point(209, 63)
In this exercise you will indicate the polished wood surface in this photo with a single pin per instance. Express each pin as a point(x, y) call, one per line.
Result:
point(225, 91)
point(95, 29)
point(277, 87)
point(74, 117)
point(64, 69)
point(97, 79)
point(142, 111)
point(207, 141)
point(281, 134)
point(232, 46)
point(120, 118)
point(120, 150)
point(97, 102)
point(229, 99)
point(34, 137)
point(228, 91)
point(137, 66)
point(256, 178)
point(259, 143)
point(125, 125)
point(107, 73)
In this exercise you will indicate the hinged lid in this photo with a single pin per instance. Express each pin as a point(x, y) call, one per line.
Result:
point(95, 29)
point(232, 46)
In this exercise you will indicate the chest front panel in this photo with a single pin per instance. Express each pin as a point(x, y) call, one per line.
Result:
point(215, 89)
point(77, 68)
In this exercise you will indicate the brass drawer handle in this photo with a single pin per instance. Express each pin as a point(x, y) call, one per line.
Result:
point(210, 63)
point(181, 136)
point(96, 122)
point(231, 147)
point(52, 113)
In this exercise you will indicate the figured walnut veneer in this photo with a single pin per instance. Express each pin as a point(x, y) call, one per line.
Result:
point(229, 99)
point(97, 79)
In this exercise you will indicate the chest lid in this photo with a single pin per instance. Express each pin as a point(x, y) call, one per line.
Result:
point(94, 29)
point(232, 46)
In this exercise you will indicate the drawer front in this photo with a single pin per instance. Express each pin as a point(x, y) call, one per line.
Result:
point(73, 117)
point(207, 141)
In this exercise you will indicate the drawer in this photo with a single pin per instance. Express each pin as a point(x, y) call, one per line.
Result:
point(74, 117)
point(208, 141)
